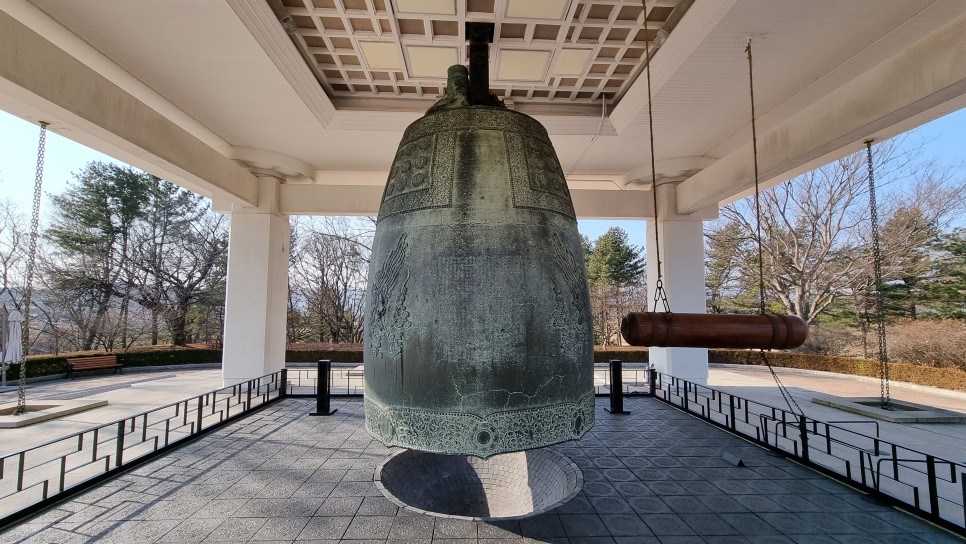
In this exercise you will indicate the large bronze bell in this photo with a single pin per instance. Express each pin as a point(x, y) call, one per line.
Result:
point(478, 335)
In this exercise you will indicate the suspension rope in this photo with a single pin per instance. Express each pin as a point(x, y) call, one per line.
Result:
point(884, 396)
point(660, 295)
point(786, 395)
point(31, 259)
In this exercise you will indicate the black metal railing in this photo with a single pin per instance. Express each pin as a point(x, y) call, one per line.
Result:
point(345, 382)
point(35, 477)
point(929, 485)
point(349, 381)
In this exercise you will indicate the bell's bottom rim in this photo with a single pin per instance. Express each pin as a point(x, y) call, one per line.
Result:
point(562, 460)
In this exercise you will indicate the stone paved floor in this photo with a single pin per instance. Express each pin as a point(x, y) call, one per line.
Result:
point(654, 476)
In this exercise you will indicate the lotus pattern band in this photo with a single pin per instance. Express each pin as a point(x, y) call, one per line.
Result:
point(481, 436)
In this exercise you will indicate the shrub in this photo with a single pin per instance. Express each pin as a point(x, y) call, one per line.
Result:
point(334, 355)
point(946, 378)
point(928, 342)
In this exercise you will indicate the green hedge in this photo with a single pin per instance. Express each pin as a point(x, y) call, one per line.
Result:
point(52, 365)
point(946, 378)
point(313, 355)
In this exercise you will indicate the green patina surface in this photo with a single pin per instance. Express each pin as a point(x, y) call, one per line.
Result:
point(478, 334)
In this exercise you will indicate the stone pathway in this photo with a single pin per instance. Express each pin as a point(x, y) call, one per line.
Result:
point(656, 476)
point(945, 440)
point(127, 394)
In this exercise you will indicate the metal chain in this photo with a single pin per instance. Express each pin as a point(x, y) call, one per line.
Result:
point(884, 395)
point(789, 400)
point(754, 150)
point(31, 259)
point(660, 295)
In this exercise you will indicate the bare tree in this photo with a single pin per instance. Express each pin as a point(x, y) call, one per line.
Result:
point(329, 277)
point(182, 254)
point(13, 252)
point(814, 228)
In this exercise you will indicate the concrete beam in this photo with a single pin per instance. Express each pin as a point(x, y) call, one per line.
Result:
point(39, 81)
point(318, 199)
point(889, 98)
point(697, 23)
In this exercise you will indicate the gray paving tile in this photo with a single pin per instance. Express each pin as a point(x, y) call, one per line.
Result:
point(454, 528)
point(667, 525)
point(625, 525)
point(369, 527)
point(721, 504)
point(339, 506)
point(649, 505)
point(577, 505)
point(321, 528)
point(412, 527)
point(591, 540)
point(546, 525)
point(677, 539)
point(686, 504)
point(708, 524)
point(236, 529)
point(281, 529)
point(758, 503)
point(507, 530)
point(790, 524)
point(610, 505)
point(192, 530)
point(577, 525)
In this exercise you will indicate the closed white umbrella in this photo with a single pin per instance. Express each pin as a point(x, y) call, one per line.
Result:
point(13, 347)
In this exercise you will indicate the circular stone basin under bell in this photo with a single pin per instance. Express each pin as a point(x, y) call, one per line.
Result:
point(511, 485)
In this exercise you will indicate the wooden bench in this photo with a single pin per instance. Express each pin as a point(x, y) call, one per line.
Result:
point(101, 362)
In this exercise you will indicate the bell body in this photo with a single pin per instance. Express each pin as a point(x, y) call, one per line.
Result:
point(767, 331)
point(478, 335)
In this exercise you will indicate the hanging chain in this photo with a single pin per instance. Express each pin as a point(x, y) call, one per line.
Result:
point(660, 295)
point(884, 396)
point(754, 150)
point(31, 259)
point(786, 394)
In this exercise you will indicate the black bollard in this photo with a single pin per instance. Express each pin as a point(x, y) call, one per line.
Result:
point(323, 390)
point(616, 388)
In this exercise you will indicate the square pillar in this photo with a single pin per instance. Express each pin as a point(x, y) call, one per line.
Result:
point(256, 298)
point(682, 255)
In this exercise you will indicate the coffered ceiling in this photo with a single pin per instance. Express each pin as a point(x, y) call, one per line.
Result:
point(552, 51)
point(208, 93)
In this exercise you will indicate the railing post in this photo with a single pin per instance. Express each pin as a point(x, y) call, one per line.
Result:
point(201, 412)
point(616, 388)
point(323, 390)
point(652, 381)
point(119, 452)
point(933, 491)
point(248, 402)
point(803, 433)
point(731, 411)
point(283, 387)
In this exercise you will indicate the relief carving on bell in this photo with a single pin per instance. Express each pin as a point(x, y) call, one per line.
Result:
point(478, 334)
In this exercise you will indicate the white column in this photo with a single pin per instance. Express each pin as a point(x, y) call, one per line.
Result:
point(257, 288)
point(682, 255)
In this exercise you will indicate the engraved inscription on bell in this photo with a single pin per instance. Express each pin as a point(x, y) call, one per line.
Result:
point(478, 332)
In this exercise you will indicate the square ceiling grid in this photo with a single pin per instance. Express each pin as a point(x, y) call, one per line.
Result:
point(573, 51)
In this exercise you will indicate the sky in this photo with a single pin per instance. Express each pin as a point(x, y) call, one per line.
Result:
point(945, 140)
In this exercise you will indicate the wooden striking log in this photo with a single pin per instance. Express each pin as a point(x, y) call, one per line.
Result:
point(768, 331)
